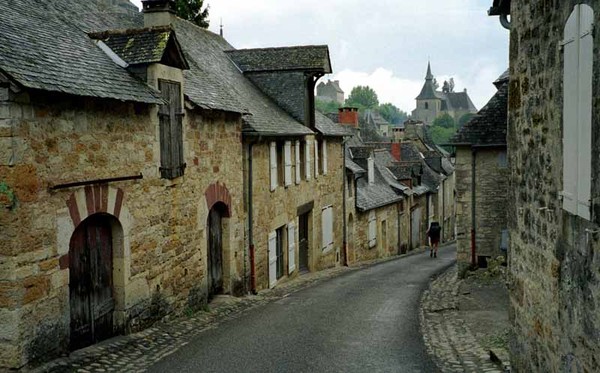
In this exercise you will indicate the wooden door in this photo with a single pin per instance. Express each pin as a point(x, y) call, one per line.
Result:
point(90, 285)
point(215, 253)
point(303, 242)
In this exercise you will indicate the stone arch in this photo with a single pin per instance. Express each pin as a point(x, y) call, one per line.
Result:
point(95, 199)
point(216, 193)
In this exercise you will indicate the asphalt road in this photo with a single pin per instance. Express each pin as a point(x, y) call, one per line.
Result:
point(363, 321)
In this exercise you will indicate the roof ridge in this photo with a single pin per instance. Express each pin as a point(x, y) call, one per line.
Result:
point(130, 31)
point(273, 48)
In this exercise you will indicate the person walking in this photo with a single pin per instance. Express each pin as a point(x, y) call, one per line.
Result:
point(434, 238)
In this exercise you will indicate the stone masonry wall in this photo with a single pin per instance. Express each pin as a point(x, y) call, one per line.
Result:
point(463, 208)
point(553, 256)
point(386, 216)
point(161, 262)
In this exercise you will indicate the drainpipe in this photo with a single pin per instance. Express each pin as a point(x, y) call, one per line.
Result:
point(345, 226)
point(473, 209)
point(251, 224)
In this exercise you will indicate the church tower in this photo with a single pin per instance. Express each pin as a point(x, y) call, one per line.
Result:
point(429, 104)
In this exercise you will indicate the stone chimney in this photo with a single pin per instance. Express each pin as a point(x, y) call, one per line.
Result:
point(158, 12)
point(396, 151)
point(348, 116)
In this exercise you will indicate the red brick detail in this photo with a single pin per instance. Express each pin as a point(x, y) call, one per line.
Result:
point(348, 116)
point(74, 210)
point(396, 151)
point(218, 193)
point(63, 261)
point(103, 198)
point(118, 203)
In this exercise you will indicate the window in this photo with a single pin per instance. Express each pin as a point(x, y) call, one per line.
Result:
point(502, 160)
point(302, 162)
point(279, 249)
point(317, 166)
point(426, 105)
point(323, 163)
point(372, 229)
point(349, 179)
point(273, 165)
point(307, 159)
point(280, 164)
point(577, 111)
point(297, 162)
point(287, 163)
point(327, 225)
point(384, 234)
point(171, 132)
point(291, 247)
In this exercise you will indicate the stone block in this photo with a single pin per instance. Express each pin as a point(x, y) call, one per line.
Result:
point(9, 322)
point(10, 355)
point(59, 279)
point(35, 288)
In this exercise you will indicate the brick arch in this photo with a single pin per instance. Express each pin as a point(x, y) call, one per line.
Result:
point(94, 199)
point(215, 193)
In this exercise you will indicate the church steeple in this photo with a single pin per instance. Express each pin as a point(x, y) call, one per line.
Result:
point(428, 91)
point(429, 75)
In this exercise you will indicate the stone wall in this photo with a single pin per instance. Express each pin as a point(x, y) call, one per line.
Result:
point(387, 245)
point(463, 207)
point(160, 261)
point(553, 256)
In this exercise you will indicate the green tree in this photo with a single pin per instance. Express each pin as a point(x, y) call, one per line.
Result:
point(391, 113)
point(441, 135)
point(464, 119)
point(362, 97)
point(445, 121)
point(191, 10)
point(326, 106)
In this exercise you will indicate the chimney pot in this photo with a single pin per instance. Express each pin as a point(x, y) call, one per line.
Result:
point(348, 116)
point(158, 12)
point(396, 151)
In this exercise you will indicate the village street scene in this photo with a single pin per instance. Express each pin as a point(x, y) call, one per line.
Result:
point(307, 186)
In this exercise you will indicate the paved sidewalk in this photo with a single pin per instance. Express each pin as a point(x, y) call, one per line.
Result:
point(136, 352)
point(448, 337)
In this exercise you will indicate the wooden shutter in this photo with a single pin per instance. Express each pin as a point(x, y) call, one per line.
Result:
point(291, 247)
point(273, 164)
point(324, 155)
point(372, 229)
point(316, 159)
point(584, 145)
point(327, 227)
point(298, 163)
point(570, 113)
point(272, 259)
point(308, 160)
point(287, 160)
point(171, 130)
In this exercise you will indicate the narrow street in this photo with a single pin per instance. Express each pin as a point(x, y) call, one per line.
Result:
point(366, 320)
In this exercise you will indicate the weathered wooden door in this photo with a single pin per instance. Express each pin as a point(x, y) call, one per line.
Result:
point(416, 228)
point(215, 252)
point(303, 242)
point(90, 284)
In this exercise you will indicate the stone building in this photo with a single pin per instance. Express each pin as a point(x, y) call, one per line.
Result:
point(375, 120)
point(331, 91)
point(553, 204)
point(432, 103)
point(124, 172)
point(482, 183)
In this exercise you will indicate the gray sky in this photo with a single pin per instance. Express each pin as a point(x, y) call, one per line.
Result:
point(381, 43)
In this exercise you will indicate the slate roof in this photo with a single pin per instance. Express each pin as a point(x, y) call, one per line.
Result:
point(410, 153)
point(489, 125)
point(43, 46)
point(328, 128)
point(456, 101)
point(299, 58)
point(378, 194)
point(354, 167)
point(360, 152)
point(142, 46)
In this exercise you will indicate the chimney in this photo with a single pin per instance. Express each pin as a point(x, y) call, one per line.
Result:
point(348, 116)
point(396, 151)
point(158, 12)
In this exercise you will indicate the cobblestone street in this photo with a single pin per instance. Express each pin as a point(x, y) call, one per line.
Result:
point(448, 336)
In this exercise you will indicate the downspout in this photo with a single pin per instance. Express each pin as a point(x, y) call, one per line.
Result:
point(345, 225)
point(251, 224)
point(473, 209)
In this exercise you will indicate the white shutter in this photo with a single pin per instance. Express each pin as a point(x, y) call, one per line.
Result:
point(324, 155)
point(372, 229)
point(287, 159)
point(272, 259)
point(298, 170)
point(327, 227)
point(371, 170)
point(291, 247)
point(307, 160)
point(584, 146)
point(570, 113)
point(316, 159)
point(273, 163)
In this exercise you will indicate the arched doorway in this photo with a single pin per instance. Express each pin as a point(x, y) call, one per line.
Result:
point(215, 249)
point(91, 280)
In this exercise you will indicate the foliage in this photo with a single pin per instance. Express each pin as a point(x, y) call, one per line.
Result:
point(362, 97)
point(441, 135)
point(7, 196)
point(445, 121)
point(464, 119)
point(325, 107)
point(191, 10)
point(391, 113)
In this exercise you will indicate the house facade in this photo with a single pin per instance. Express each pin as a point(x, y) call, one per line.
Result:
point(553, 195)
point(482, 183)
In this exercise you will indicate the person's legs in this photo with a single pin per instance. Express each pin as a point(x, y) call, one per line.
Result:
point(435, 247)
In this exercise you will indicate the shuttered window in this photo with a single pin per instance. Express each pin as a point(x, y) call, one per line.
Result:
point(287, 159)
point(578, 46)
point(324, 157)
point(273, 165)
point(372, 229)
point(327, 227)
point(316, 159)
point(308, 159)
point(272, 259)
point(291, 247)
point(298, 162)
point(171, 130)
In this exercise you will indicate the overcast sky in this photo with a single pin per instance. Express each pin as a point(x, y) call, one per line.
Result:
point(381, 43)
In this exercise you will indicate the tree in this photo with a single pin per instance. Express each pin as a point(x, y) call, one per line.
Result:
point(362, 97)
point(325, 107)
point(191, 10)
point(391, 113)
point(441, 135)
point(445, 121)
point(464, 119)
